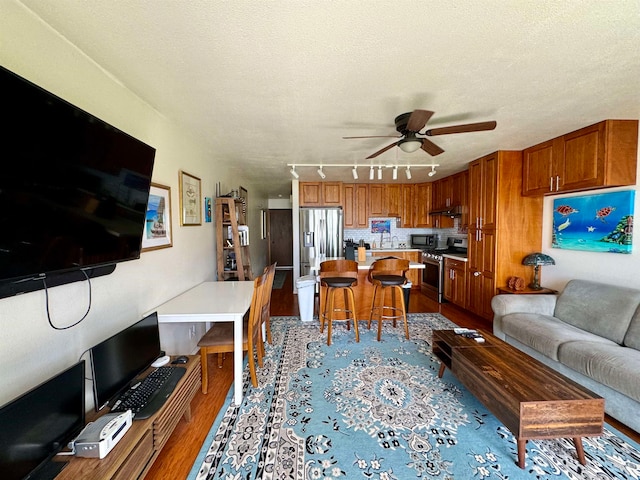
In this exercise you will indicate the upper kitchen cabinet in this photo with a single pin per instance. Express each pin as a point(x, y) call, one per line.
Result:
point(321, 194)
point(407, 205)
point(422, 195)
point(385, 200)
point(597, 156)
point(356, 205)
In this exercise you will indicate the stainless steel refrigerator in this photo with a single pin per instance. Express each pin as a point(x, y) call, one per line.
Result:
point(321, 235)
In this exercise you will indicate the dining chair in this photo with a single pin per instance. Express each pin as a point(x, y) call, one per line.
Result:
point(338, 276)
point(219, 338)
point(388, 275)
point(270, 271)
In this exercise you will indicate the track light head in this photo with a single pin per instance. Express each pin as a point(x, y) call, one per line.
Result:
point(379, 173)
point(408, 172)
point(293, 172)
point(371, 173)
point(395, 173)
point(321, 173)
point(433, 171)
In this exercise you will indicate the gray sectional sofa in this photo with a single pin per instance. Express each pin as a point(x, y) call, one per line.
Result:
point(590, 333)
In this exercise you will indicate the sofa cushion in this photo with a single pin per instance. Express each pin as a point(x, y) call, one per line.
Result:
point(545, 333)
point(632, 338)
point(605, 310)
point(614, 366)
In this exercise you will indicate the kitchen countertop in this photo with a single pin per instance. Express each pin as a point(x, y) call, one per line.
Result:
point(315, 262)
point(456, 256)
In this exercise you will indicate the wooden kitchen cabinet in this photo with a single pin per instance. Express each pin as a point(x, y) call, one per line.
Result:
point(504, 227)
point(385, 200)
point(455, 281)
point(422, 196)
point(321, 194)
point(408, 205)
point(355, 205)
point(597, 156)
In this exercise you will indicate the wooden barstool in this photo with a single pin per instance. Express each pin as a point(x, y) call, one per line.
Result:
point(338, 276)
point(388, 275)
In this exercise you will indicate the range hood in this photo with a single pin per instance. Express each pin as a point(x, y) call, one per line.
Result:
point(448, 212)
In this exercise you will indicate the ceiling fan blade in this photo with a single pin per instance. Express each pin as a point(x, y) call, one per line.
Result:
point(388, 147)
point(431, 148)
point(418, 120)
point(469, 127)
point(375, 136)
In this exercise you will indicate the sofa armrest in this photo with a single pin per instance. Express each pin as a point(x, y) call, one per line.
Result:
point(526, 303)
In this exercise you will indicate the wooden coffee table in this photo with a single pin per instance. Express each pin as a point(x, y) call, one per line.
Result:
point(529, 398)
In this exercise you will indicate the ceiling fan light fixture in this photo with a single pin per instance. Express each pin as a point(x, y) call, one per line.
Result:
point(371, 173)
point(321, 173)
point(354, 172)
point(408, 172)
point(410, 145)
point(293, 172)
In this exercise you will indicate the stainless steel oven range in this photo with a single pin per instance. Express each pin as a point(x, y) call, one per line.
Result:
point(432, 284)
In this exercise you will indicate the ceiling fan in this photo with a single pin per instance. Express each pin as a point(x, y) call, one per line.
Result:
point(409, 126)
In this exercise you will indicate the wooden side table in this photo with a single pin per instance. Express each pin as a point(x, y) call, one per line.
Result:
point(505, 290)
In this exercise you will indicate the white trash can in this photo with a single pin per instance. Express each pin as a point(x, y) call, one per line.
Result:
point(306, 286)
point(407, 291)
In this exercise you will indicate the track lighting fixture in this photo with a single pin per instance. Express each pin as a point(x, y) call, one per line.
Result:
point(294, 169)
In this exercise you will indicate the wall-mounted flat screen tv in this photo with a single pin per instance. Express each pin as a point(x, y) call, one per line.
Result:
point(40, 423)
point(73, 189)
point(119, 359)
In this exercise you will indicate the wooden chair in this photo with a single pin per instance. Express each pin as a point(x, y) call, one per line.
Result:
point(388, 275)
point(219, 338)
point(338, 276)
point(270, 271)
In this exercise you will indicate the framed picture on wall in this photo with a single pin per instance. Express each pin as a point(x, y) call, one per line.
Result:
point(190, 200)
point(157, 225)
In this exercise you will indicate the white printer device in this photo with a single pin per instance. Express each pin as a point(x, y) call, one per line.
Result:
point(98, 438)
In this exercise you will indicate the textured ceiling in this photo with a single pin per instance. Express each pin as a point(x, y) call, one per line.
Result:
point(278, 82)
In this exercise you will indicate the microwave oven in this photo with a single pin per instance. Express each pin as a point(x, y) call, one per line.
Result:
point(423, 241)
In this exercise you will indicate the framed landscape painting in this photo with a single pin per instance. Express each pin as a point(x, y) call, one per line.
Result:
point(157, 225)
point(594, 223)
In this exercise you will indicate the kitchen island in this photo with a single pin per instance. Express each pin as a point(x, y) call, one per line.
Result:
point(363, 291)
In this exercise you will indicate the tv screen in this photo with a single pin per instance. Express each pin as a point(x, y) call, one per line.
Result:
point(73, 189)
point(118, 360)
point(38, 424)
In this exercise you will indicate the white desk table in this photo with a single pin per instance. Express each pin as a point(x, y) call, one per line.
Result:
point(214, 302)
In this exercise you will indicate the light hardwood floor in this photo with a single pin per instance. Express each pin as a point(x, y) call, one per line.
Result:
point(177, 457)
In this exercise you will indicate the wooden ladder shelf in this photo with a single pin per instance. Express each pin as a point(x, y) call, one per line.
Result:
point(234, 260)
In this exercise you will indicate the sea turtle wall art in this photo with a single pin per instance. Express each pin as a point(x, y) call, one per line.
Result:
point(595, 223)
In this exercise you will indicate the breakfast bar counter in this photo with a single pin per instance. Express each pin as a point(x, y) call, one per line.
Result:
point(363, 291)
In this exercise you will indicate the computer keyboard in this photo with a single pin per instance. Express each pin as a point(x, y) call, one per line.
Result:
point(147, 396)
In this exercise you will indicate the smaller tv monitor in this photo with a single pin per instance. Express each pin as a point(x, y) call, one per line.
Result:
point(39, 423)
point(118, 360)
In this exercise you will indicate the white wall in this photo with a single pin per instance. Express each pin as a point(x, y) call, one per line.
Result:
point(30, 350)
point(611, 268)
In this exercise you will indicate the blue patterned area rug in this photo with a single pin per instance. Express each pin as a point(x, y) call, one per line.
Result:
point(377, 410)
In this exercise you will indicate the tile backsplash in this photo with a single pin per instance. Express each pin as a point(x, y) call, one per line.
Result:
point(399, 235)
